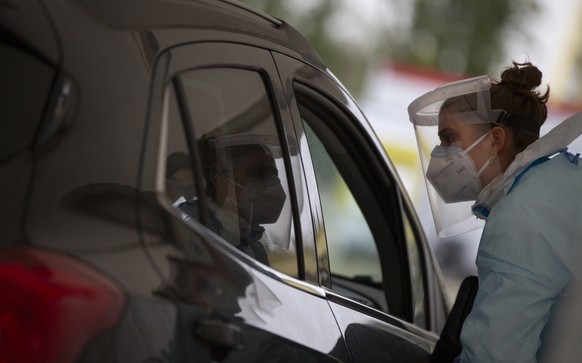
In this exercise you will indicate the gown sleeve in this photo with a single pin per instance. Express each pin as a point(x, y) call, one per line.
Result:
point(520, 275)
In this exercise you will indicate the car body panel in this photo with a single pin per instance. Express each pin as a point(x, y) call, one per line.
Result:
point(380, 338)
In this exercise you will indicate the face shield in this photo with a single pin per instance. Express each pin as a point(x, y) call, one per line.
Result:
point(251, 188)
point(453, 131)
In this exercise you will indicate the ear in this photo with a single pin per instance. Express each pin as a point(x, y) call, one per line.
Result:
point(500, 138)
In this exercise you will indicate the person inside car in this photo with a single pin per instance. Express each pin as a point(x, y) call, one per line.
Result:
point(526, 188)
point(243, 189)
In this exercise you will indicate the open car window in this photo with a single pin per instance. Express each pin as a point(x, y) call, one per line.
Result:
point(361, 209)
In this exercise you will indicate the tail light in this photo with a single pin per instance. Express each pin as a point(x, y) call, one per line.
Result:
point(51, 306)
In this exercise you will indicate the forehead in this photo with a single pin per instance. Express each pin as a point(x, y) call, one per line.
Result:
point(253, 159)
point(460, 121)
point(255, 156)
point(451, 121)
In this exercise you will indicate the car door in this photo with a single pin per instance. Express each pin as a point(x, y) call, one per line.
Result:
point(373, 263)
point(246, 302)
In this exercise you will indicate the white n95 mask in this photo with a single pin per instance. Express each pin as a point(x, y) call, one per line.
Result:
point(453, 174)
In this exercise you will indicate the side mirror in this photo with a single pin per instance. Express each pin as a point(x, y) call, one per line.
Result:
point(449, 345)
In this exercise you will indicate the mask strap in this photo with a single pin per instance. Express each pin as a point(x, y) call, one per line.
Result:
point(267, 182)
point(477, 142)
point(235, 183)
point(252, 207)
point(487, 163)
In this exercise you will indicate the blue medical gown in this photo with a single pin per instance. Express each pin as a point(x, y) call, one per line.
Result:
point(528, 260)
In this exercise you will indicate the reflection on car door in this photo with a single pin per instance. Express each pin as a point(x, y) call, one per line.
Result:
point(259, 295)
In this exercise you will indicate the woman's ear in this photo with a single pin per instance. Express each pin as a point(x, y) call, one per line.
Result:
point(500, 138)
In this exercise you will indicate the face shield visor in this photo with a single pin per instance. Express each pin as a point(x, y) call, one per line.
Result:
point(453, 131)
point(254, 187)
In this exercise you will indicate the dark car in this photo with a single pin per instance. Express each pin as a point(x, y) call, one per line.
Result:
point(185, 181)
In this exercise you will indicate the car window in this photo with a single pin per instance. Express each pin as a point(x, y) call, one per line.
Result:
point(234, 132)
point(351, 247)
point(360, 206)
point(25, 83)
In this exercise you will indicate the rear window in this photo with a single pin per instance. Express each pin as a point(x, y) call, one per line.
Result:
point(25, 83)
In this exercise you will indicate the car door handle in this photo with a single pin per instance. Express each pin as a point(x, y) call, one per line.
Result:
point(220, 336)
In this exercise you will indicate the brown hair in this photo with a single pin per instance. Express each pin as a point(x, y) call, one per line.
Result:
point(516, 93)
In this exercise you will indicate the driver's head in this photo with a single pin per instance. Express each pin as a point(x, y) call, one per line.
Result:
point(245, 176)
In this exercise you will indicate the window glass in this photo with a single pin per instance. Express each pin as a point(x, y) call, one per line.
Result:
point(25, 83)
point(354, 261)
point(242, 162)
point(352, 250)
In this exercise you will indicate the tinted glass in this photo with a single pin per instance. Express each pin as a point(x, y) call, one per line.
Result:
point(242, 163)
point(25, 83)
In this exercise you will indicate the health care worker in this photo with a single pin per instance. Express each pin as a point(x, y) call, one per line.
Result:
point(491, 163)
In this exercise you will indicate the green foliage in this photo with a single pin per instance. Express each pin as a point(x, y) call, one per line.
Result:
point(458, 36)
point(462, 36)
point(313, 21)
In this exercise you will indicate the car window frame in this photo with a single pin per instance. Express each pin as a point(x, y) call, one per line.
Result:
point(346, 127)
point(215, 55)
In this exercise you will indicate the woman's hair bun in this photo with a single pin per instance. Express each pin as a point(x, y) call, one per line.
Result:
point(518, 95)
point(522, 75)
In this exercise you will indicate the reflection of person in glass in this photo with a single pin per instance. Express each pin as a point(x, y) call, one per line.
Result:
point(244, 189)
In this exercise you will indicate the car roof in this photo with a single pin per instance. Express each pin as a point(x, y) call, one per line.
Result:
point(188, 21)
point(173, 21)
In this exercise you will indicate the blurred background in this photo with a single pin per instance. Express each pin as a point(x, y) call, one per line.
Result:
point(388, 52)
